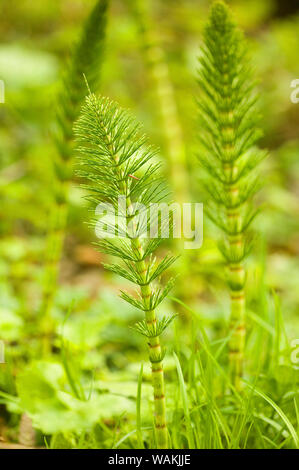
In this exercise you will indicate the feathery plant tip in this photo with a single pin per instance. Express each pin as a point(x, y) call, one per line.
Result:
point(118, 162)
point(229, 156)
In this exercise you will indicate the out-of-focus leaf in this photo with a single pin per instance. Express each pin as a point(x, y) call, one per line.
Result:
point(53, 410)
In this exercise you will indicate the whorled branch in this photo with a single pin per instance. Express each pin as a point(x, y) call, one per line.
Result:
point(86, 58)
point(228, 134)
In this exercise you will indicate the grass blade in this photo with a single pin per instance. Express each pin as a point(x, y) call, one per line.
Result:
point(185, 402)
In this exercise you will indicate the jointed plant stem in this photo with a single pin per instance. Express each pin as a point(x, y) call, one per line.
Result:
point(228, 135)
point(236, 278)
point(155, 351)
point(162, 88)
point(85, 59)
point(112, 160)
point(155, 355)
point(164, 97)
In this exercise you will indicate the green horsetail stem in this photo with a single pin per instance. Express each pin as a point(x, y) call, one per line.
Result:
point(155, 355)
point(86, 58)
point(228, 134)
point(165, 100)
point(118, 162)
point(155, 352)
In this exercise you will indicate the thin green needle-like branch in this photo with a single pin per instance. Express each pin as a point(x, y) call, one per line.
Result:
point(162, 88)
point(229, 156)
point(120, 166)
point(86, 58)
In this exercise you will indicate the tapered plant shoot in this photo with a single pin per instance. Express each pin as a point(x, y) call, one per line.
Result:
point(228, 134)
point(120, 166)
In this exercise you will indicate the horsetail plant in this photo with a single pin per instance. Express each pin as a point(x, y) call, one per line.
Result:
point(86, 58)
point(228, 134)
point(164, 97)
point(119, 164)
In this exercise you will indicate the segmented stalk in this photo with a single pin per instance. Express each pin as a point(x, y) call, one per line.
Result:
point(86, 59)
point(236, 282)
point(54, 248)
point(155, 356)
point(155, 352)
point(228, 134)
point(116, 159)
point(164, 98)
point(172, 132)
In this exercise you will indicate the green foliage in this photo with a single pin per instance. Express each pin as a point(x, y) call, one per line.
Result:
point(86, 59)
point(90, 391)
point(117, 160)
point(10, 324)
point(154, 330)
point(229, 157)
point(156, 298)
point(114, 153)
point(53, 410)
point(228, 129)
